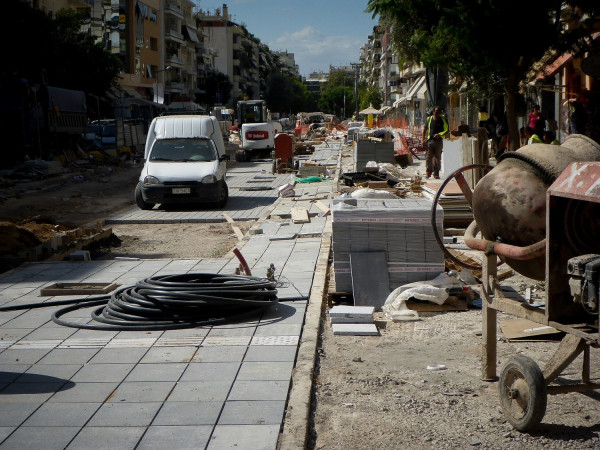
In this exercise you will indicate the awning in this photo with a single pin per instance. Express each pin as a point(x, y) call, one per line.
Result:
point(555, 66)
point(415, 88)
point(132, 92)
point(190, 34)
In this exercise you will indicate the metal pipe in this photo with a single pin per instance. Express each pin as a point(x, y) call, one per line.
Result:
point(506, 250)
point(242, 260)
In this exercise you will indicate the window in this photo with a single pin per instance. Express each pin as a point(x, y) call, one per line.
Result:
point(183, 150)
point(153, 44)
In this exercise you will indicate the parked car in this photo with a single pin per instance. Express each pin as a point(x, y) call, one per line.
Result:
point(184, 162)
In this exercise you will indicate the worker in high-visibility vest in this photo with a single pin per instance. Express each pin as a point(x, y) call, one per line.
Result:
point(532, 137)
point(436, 126)
point(550, 138)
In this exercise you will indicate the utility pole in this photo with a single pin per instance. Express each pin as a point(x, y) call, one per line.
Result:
point(355, 66)
point(344, 88)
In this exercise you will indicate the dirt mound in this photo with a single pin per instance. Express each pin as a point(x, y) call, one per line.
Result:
point(15, 239)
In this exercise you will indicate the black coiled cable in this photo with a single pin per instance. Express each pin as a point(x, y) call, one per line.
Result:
point(169, 302)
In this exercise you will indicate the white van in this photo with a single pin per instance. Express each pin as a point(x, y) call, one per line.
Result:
point(184, 162)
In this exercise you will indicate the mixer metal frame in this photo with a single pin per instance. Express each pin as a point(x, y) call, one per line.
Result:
point(523, 386)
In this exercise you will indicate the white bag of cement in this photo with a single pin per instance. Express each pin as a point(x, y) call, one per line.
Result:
point(435, 291)
point(371, 193)
point(286, 189)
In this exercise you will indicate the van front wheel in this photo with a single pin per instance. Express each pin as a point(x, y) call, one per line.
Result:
point(139, 200)
point(223, 197)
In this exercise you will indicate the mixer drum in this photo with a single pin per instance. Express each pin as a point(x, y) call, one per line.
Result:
point(509, 203)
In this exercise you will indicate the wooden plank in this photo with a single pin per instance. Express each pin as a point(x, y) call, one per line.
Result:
point(299, 215)
point(236, 229)
point(451, 304)
point(378, 184)
point(526, 330)
point(323, 207)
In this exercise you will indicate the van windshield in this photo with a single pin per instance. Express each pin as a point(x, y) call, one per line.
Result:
point(183, 150)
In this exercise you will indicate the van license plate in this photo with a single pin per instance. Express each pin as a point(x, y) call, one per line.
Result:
point(181, 190)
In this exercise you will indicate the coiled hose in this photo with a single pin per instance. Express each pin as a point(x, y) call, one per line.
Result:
point(170, 302)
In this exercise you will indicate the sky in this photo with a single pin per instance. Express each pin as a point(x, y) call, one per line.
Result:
point(318, 33)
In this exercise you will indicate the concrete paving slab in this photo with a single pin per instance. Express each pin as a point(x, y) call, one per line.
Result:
point(62, 371)
point(118, 355)
point(14, 414)
point(62, 415)
point(265, 371)
point(271, 353)
point(40, 437)
point(188, 413)
point(200, 391)
point(84, 393)
point(103, 373)
point(230, 353)
point(125, 414)
point(30, 392)
point(157, 372)
point(169, 354)
point(68, 356)
point(142, 391)
point(259, 390)
point(108, 438)
point(223, 371)
point(252, 413)
point(244, 437)
point(176, 437)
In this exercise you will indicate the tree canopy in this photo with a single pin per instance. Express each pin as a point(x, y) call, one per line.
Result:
point(474, 39)
point(216, 87)
point(67, 58)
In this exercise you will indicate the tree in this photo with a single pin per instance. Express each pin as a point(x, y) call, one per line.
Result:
point(337, 96)
point(216, 87)
point(67, 58)
point(472, 38)
point(369, 96)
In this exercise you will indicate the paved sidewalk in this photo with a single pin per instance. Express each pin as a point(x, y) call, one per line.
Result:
point(210, 387)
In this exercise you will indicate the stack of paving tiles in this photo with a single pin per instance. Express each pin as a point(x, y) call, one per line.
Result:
point(401, 228)
point(365, 151)
point(353, 321)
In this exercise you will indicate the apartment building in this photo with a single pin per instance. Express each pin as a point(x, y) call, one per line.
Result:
point(180, 67)
point(236, 52)
point(288, 63)
point(154, 39)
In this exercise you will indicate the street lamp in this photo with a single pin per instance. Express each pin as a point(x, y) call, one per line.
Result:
point(355, 66)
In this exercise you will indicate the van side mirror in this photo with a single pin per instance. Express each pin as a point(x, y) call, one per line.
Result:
point(224, 158)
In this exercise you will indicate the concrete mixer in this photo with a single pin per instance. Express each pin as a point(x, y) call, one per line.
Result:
point(538, 210)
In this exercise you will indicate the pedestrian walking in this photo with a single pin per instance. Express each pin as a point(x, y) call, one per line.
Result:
point(436, 126)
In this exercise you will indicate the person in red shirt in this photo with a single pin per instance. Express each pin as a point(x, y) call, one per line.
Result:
point(537, 121)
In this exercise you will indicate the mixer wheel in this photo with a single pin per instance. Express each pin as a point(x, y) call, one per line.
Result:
point(523, 395)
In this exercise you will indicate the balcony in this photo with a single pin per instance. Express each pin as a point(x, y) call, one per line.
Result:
point(174, 10)
point(174, 60)
point(174, 36)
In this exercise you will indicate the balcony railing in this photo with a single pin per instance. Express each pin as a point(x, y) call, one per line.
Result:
point(174, 8)
point(174, 34)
